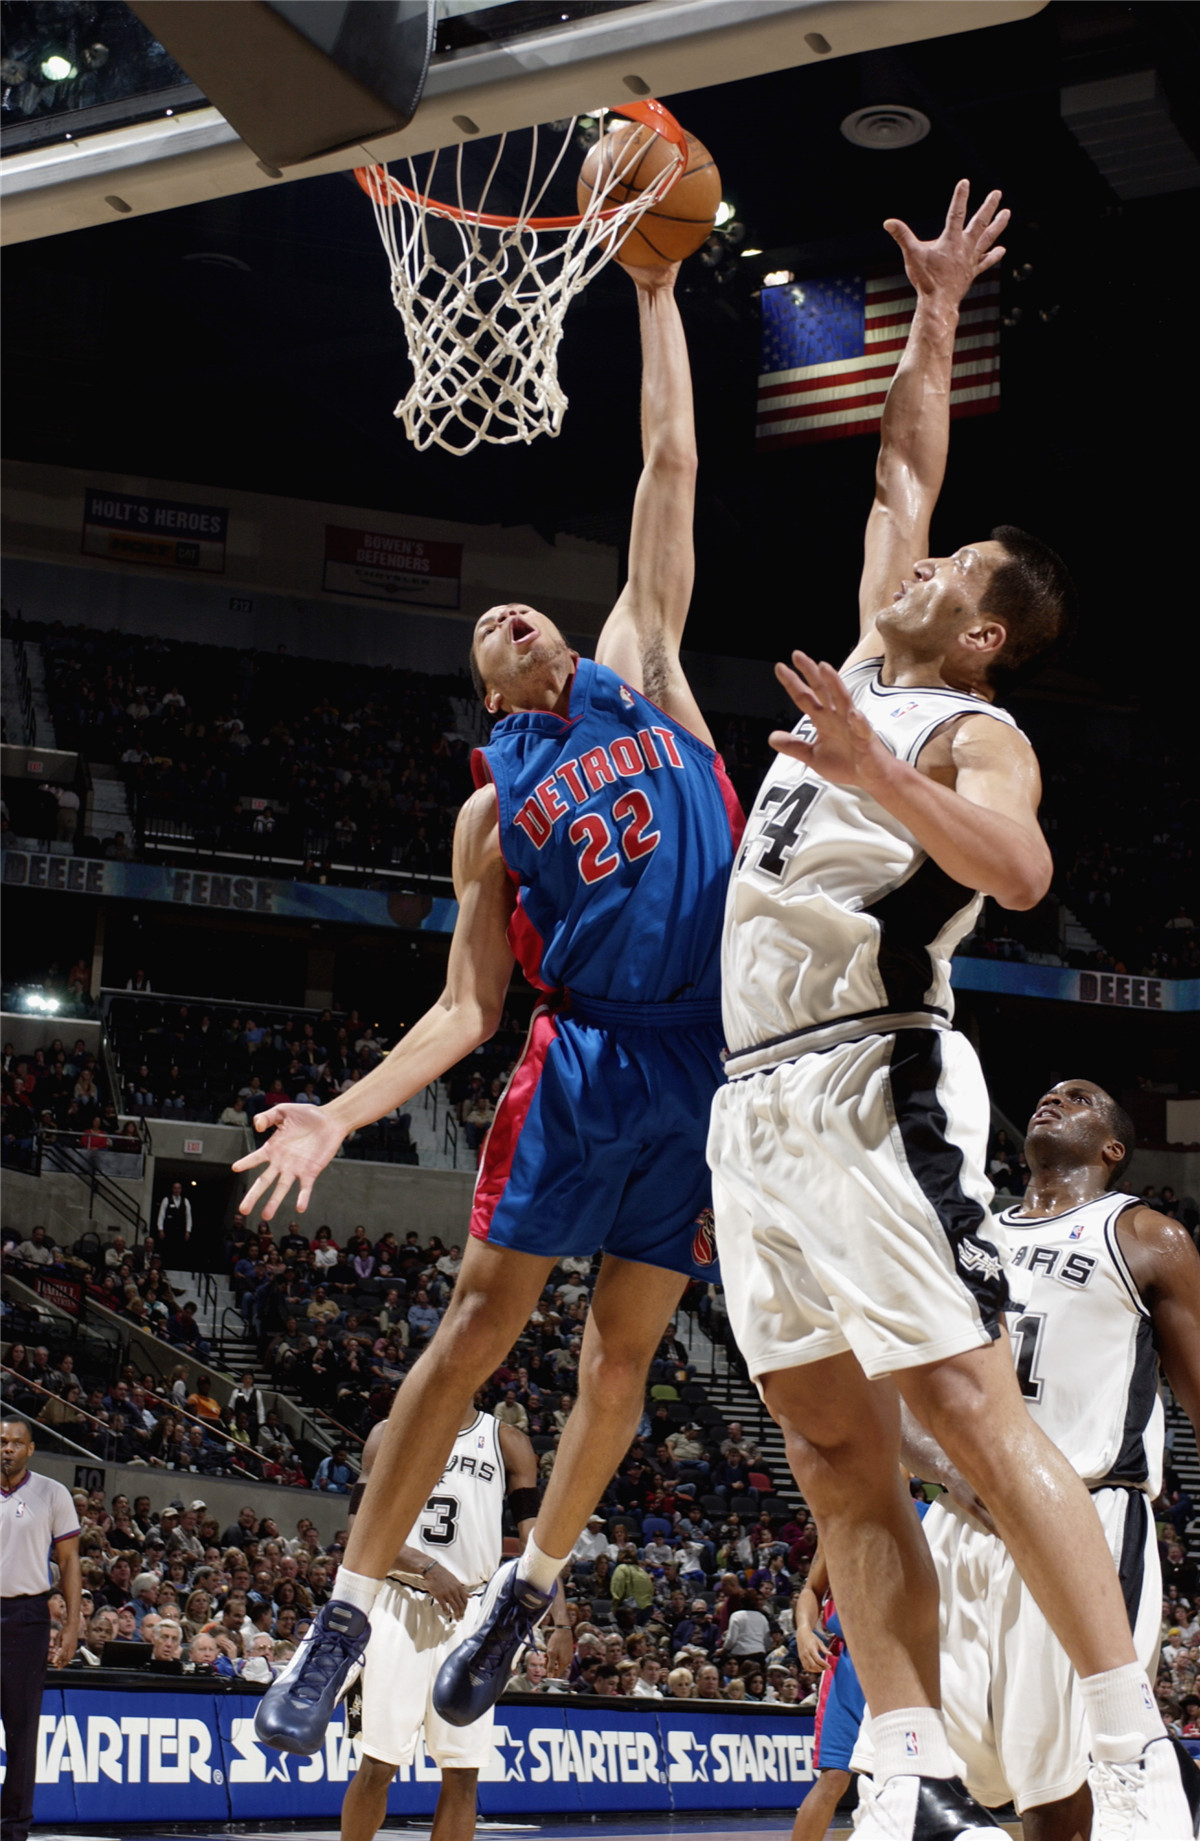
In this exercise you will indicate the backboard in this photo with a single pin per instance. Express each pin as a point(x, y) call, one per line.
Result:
point(496, 67)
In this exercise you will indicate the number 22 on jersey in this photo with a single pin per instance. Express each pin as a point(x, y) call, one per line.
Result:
point(634, 818)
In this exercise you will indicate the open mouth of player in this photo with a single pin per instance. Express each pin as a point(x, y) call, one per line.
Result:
point(521, 633)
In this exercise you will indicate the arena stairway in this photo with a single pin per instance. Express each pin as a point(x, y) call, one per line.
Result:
point(1184, 1458)
point(13, 720)
point(234, 1349)
point(736, 1399)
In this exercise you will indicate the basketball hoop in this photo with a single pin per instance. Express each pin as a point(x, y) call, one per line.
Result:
point(483, 300)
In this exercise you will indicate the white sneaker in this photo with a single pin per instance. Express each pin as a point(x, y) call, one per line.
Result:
point(920, 1809)
point(1143, 1800)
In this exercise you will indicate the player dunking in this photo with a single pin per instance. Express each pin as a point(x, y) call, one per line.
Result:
point(430, 1600)
point(1103, 1288)
point(597, 851)
point(848, 1144)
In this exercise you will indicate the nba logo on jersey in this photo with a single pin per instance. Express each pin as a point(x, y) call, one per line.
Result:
point(903, 710)
point(626, 696)
point(1078, 1231)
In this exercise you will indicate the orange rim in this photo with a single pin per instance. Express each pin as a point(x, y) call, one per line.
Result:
point(379, 185)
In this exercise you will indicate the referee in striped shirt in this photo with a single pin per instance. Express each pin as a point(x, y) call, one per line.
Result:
point(38, 1524)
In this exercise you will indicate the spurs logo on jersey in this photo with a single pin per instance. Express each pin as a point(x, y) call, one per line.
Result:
point(1084, 1344)
point(459, 1526)
point(835, 916)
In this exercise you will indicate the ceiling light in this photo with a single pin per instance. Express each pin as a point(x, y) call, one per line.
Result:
point(778, 278)
point(725, 212)
point(886, 126)
point(56, 68)
point(751, 252)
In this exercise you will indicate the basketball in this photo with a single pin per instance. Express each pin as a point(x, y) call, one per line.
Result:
point(677, 226)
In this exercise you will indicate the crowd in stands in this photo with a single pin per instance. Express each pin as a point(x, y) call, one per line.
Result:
point(682, 1583)
point(1123, 831)
point(55, 1090)
point(264, 754)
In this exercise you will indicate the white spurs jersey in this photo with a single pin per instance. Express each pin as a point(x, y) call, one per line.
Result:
point(461, 1524)
point(837, 922)
point(1083, 1343)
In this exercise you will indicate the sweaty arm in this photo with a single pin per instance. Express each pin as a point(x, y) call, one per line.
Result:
point(915, 431)
point(1165, 1265)
point(466, 1014)
point(923, 1457)
point(975, 812)
point(640, 639)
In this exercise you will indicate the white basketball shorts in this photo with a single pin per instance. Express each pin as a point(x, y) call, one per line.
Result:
point(410, 1639)
point(1014, 1713)
point(851, 1205)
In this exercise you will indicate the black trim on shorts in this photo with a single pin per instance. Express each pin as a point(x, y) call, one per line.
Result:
point(914, 1071)
point(1131, 1567)
point(879, 1014)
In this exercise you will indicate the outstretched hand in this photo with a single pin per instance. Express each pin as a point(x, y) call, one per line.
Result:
point(304, 1140)
point(845, 748)
point(961, 254)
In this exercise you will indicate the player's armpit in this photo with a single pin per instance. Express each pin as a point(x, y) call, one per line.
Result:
point(1165, 1265)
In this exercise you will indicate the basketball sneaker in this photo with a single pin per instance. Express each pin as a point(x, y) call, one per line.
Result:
point(921, 1809)
point(473, 1676)
point(296, 1708)
point(1144, 1800)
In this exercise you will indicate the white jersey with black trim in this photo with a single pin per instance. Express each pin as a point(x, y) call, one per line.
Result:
point(1083, 1342)
point(837, 922)
point(461, 1525)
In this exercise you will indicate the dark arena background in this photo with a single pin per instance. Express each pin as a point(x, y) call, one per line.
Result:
point(238, 719)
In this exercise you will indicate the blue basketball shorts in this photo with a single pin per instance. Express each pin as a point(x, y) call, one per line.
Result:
point(840, 1709)
point(598, 1142)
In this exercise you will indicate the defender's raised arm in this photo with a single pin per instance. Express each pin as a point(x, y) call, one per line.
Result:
point(916, 418)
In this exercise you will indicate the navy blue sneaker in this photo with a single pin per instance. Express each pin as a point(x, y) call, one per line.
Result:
point(295, 1710)
point(473, 1676)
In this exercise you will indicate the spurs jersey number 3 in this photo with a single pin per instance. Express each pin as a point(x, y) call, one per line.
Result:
point(835, 914)
point(1083, 1343)
point(460, 1525)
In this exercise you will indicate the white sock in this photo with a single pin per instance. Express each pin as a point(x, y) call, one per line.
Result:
point(911, 1742)
point(1121, 1713)
point(356, 1589)
point(538, 1567)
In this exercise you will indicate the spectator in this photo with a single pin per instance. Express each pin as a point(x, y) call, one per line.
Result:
point(166, 1652)
point(631, 1582)
point(333, 1473)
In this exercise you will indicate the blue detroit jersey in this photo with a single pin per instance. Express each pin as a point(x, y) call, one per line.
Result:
point(618, 827)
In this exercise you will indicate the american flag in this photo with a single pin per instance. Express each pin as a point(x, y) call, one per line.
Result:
point(830, 349)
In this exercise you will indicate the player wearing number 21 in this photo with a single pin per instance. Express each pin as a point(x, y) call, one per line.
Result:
point(848, 1145)
point(596, 851)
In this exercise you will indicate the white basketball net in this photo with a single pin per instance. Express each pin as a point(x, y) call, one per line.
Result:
point(483, 324)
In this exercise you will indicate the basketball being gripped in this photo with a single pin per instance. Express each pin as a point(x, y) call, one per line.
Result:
point(623, 162)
